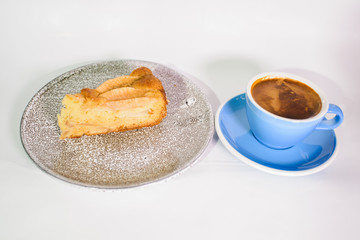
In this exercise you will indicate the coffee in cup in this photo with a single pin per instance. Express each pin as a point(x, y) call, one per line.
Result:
point(282, 109)
point(286, 97)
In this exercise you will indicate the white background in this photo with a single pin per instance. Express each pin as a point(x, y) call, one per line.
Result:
point(220, 43)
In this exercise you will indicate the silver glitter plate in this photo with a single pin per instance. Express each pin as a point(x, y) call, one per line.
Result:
point(124, 159)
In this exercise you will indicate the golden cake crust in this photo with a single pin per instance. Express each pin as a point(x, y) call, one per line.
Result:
point(123, 103)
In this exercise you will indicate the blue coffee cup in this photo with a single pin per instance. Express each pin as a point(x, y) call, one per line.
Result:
point(279, 132)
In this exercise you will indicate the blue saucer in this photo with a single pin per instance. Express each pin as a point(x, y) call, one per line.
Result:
point(313, 154)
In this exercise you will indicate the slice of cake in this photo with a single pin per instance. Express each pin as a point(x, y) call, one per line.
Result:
point(124, 103)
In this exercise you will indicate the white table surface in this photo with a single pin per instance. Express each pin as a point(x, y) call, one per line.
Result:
point(222, 44)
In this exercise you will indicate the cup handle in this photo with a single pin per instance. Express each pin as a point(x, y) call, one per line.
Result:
point(328, 124)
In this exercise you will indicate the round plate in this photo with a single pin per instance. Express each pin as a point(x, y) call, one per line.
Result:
point(124, 159)
point(311, 155)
